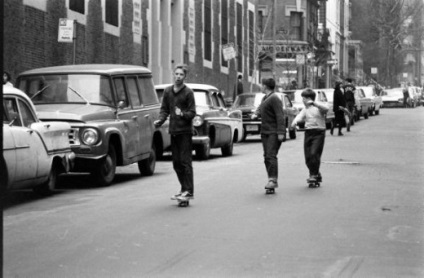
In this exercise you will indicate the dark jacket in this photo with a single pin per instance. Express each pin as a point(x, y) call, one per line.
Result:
point(338, 99)
point(349, 89)
point(184, 100)
point(272, 115)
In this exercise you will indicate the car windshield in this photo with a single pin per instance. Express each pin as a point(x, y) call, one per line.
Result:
point(67, 88)
point(395, 93)
point(201, 98)
point(368, 91)
point(248, 100)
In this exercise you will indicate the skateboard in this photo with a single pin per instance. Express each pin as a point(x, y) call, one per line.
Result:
point(313, 184)
point(269, 190)
point(183, 201)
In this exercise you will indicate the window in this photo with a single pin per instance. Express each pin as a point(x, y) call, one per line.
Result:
point(147, 90)
point(133, 91)
point(208, 30)
point(27, 116)
point(239, 37)
point(112, 12)
point(77, 6)
point(224, 28)
point(296, 25)
point(215, 101)
point(120, 90)
point(10, 113)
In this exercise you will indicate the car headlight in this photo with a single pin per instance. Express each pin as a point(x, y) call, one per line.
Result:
point(90, 136)
point(197, 121)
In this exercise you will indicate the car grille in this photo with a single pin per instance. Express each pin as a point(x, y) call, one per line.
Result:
point(247, 116)
point(73, 136)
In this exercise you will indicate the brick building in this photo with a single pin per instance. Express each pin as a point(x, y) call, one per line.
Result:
point(155, 34)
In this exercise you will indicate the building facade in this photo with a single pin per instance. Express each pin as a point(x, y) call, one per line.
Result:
point(286, 44)
point(150, 33)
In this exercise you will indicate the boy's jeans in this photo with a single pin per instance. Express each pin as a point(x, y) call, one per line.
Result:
point(313, 147)
point(271, 145)
point(181, 147)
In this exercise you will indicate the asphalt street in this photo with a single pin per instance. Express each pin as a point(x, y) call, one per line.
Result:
point(366, 219)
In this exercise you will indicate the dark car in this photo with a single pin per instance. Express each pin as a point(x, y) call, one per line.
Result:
point(111, 110)
point(249, 102)
point(215, 126)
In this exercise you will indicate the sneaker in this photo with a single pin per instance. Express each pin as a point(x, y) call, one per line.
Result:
point(312, 179)
point(271, 184)
point(185, 195)
point(175, 197)
point(319, 177)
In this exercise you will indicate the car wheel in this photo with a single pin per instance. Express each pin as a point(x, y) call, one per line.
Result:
point(377, 112)
point(147, 166)
point(49, 186)
point(105, 171)
point(228, 149)
point(366, 115)
point(244, 136)
point(292, 133)
point(203, 151)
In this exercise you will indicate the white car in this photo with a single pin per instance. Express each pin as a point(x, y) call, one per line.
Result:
point(35, 152)
point(377, 101)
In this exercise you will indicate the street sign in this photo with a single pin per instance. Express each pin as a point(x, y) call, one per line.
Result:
point(300, 59)
point(66, 30)
point(228, 51)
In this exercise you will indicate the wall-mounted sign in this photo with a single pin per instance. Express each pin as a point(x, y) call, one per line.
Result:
point(66, 30)
point(285, 48)
point(228, 51)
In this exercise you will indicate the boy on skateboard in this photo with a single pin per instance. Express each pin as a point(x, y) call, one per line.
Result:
point(314, 117)
point(178, 104)
point(273, 130)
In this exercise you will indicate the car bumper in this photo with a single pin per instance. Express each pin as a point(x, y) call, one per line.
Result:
point(200, 140)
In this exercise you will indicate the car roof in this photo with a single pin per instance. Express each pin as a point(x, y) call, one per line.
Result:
point(89, 68)
point(12, 91)
point(193, 86)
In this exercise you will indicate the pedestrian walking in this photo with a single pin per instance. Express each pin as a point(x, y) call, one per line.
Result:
point(314, 117)
point(273, 130)
point(405, 97)
point(349, 95)
point(339, 103)
point(238, 88)
point(178, 103)
point(7, 79)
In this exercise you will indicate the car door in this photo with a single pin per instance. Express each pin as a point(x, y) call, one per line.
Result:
point(290, 110)
point(149, 110)
point(129, 118)
point(220, 117)
point(23, 145)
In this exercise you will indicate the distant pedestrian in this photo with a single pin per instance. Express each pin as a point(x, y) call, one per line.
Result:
point(405, 97)
point(314, 117)
point(273, 130)
point(338, 103)
point(7, 79)
point(178, 103)
point(349, 94)
point(238, 88)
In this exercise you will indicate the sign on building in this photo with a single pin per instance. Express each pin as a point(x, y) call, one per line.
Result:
point(228, 51)
point(300, 59)
point(66, 30)
point(374, 70)
point(191, 31)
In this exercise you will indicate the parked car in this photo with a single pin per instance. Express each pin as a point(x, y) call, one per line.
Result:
point(34, 152)
point(414, 96)
point(321, 97)
point(111, 109)
point(215, 126)
point(392, 97)
point(249, 102)
point(365, 103)
point(376, 100)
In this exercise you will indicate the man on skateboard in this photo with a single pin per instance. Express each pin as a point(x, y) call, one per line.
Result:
point(273, 131)
point(178, 103)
